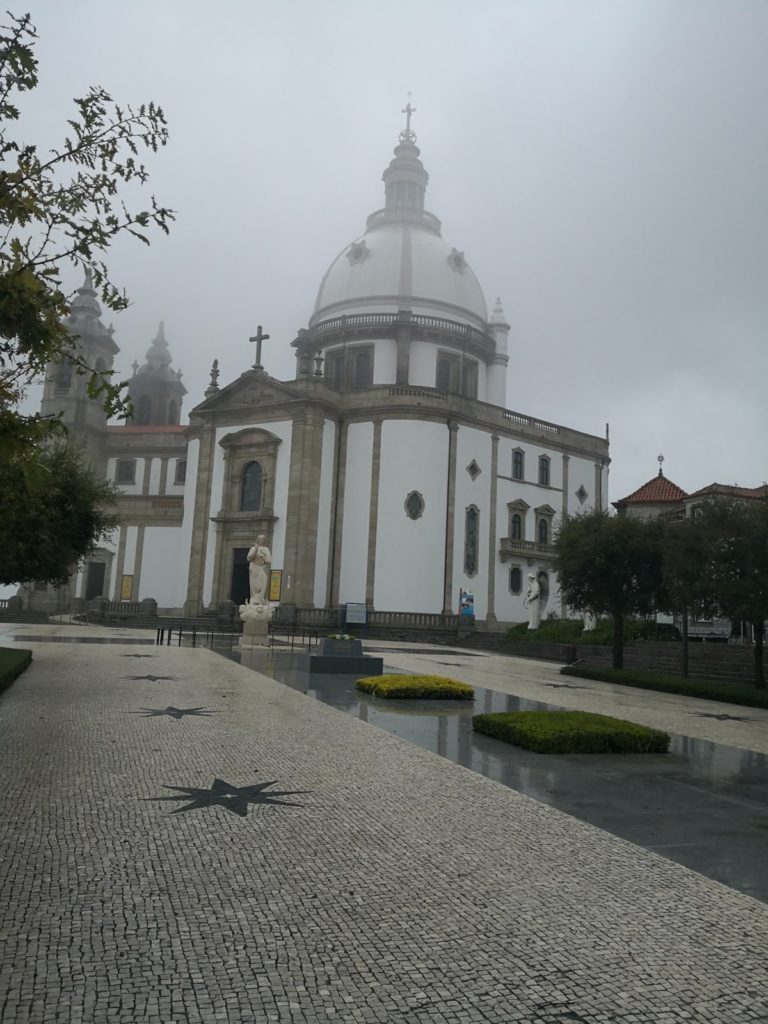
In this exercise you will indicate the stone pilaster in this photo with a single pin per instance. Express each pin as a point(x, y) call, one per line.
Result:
point(146, 475)
point(599, 485)
point(163, 475)
point(337, 516)
point(120, 563)
point(194, 602)
point(302, 509)
point(373, 513)
point(139, 557)
point(566, 460)
point(403, 340)
point(450, 519)
point(490, 615)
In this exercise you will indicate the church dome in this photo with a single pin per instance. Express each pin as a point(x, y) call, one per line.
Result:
point(401, 261)
point(401, 266)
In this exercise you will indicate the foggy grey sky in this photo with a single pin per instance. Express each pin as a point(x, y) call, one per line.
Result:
point(603, 165)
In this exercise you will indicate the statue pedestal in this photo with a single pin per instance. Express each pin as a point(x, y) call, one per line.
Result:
point(255, 633)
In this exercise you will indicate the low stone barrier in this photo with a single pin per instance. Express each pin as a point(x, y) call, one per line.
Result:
point(723, 662)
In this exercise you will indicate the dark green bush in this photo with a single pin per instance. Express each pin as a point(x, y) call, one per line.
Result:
point(571, 631)
point(707, 689)
point(571, 732)
point(416, 687)
point(13, 661)
point(551, 631)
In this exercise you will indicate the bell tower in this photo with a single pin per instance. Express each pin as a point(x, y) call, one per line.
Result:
point(65, 391)
point(155, 389)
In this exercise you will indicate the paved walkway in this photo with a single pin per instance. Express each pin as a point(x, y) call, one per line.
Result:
point(390, 885)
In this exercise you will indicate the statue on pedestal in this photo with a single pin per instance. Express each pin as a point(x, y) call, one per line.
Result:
point(590, 620)
point(532, 602)
point(259, 559)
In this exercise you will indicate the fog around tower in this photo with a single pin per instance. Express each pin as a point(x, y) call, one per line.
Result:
point(602, 165)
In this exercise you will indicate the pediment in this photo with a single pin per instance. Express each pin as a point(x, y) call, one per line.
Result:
point(251, 390)
point(250, 437)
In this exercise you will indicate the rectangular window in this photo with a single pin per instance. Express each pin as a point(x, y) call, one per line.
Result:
point(518, 464)
point(181, 471)
point(125, 472)
point(350, 369)
point(362, 368)
point(471, 539)
point(335, 371)
point(469, 379)
point(448, 372)
point(544, 471)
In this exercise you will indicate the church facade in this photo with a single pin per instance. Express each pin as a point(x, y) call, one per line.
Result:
point(388, 472)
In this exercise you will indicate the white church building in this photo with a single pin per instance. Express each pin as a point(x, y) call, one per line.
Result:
point(388, 472)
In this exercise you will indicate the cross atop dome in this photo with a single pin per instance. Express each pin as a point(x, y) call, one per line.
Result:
point(406, 135)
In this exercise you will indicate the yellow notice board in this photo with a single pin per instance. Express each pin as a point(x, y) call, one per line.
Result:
point(275, 584)
point(125, 588)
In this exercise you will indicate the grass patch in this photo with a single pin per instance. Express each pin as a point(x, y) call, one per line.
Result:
point(397, 687)
point(13, 661)
point(571, 732)
point(706, 689)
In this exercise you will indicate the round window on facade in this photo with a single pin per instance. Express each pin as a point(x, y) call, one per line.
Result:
point(414, 505)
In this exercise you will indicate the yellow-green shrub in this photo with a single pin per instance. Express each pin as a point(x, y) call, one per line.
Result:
point(571, 732)
point(416, 687)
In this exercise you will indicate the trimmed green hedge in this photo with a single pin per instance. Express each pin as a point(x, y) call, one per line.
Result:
point(416, 687)
point(13, 661)
point(706, 689)
point(571, 631)
point(571, 732)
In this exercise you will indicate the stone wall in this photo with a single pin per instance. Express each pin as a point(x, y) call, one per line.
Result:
point(723, 662)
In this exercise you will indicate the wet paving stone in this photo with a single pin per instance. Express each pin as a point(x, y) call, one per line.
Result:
point(281, 861)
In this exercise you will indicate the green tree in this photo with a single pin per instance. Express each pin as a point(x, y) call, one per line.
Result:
point(686, 555)
point(733, 577)
point(61, 209)
point(54, 512)
point(611, 564)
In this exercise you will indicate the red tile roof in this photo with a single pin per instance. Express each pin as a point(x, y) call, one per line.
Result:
point(657, 491)
point(730, 491)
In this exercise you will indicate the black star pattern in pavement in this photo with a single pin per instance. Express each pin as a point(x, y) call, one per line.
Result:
point(172, 712)
point(231, 798)
point(720, 718)
point(152, 679)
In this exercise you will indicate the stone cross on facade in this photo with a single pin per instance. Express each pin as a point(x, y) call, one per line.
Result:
point(258, 338)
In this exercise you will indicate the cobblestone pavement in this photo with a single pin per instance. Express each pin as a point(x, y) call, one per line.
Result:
point(541, 680)
point(391, 885)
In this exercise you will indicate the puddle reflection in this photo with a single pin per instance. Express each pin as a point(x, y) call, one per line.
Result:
point(703, 804)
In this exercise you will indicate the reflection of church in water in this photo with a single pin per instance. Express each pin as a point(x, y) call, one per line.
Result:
point(389, 471)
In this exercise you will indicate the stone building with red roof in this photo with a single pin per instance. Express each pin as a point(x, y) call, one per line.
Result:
point(658, 496)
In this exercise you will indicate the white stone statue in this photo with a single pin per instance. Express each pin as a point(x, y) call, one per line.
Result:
point(259, 558)
point(590, 620)
point(532, 602)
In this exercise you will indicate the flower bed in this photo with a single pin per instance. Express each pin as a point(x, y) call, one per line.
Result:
point(416, 687)
point(571, 732)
